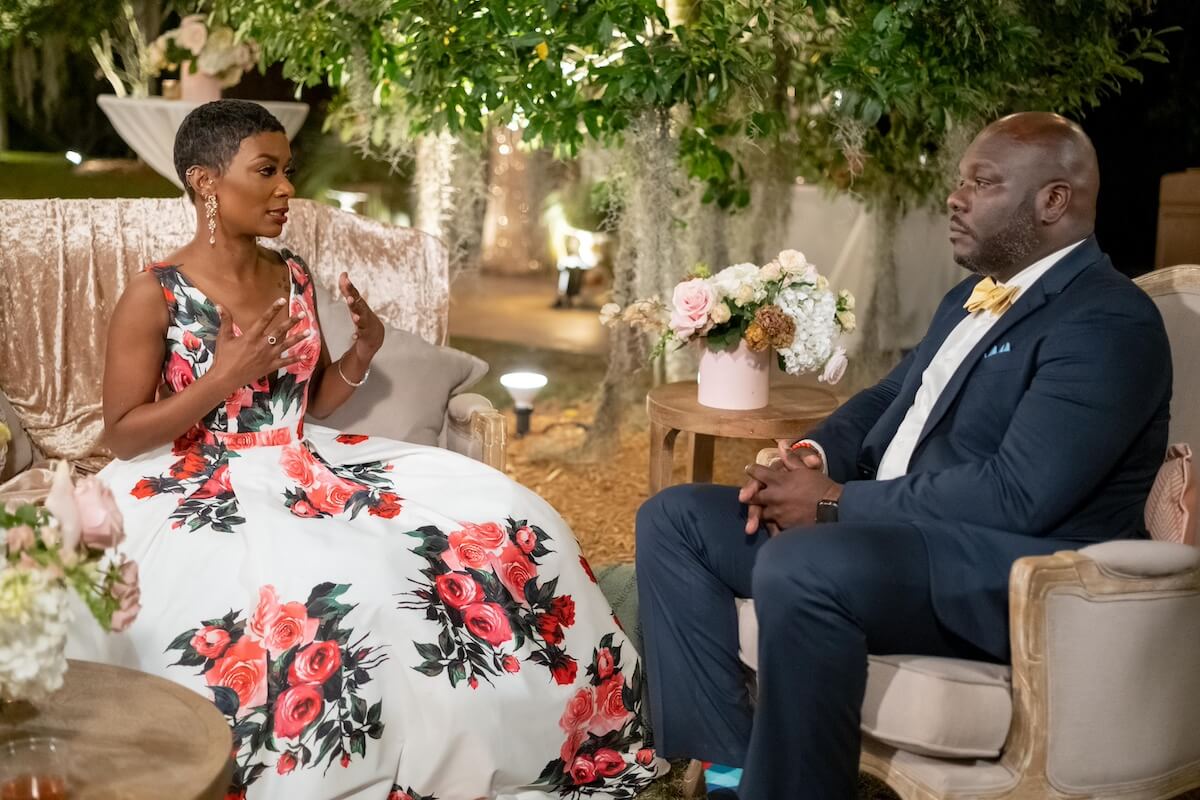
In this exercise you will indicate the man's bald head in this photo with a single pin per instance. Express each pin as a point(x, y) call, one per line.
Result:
point(1028, 187)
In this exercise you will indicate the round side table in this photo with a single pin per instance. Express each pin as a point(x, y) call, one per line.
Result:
point(673, 408)
point(129, 735)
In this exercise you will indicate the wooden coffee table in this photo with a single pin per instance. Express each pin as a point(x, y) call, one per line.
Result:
point(130, 736)
point(673, 408)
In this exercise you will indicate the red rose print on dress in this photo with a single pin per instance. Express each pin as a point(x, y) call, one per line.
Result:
point(243, 668)
point(351, 438)
point(272, 653)
point(603, 734)
point(486, 592)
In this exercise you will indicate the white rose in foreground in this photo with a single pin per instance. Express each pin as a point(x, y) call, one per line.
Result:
point(691, 303)
point(720, 314)
point(835, 367)
point(793, 262)
point(847, 320)
point(771, 271)
point(729, 280)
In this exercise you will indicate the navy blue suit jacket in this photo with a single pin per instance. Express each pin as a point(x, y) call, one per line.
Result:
point(1048, 437)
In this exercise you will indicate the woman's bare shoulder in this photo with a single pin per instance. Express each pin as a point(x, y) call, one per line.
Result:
point(143, 300)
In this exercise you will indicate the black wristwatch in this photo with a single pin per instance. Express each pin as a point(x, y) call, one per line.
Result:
point(827, 510)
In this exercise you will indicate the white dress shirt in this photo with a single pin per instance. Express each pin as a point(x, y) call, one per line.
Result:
point(941, 369)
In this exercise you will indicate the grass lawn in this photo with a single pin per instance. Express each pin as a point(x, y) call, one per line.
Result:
point(34, 175)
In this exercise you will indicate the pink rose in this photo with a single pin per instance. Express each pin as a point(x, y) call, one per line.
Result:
point(691, 302)
point(488, 622)
point(345, 760)
point(210, 642)
point(604, 663)
point(488, 535)
point(190, 341)
point(179, 373)
point(611, 713)
point(127, 595)
point(296, 708)
point(19, 539)
point(579, 711)
point(100, 521)
point(265, 613)
point(331, 493)
point(645, 756)
point(835, 367)
point(216, 485)
point(583, 770)
point(396, 794)
point(457, 589)
point(465, 551)
point(515, 570)
point(473, 682)
point(302, 508)
point(290, 627)
point(241, 398)
point(571, 746)
point(609, 763)
point(285, 764)
point(511, 664)
point(388, 505)
point(243, 669)
point(308, 351)
point(315, 663)
point(526, 539)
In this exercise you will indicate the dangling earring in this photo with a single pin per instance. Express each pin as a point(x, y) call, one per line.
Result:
point(210, 210)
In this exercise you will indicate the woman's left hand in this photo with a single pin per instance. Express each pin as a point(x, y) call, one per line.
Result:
point(368, 329)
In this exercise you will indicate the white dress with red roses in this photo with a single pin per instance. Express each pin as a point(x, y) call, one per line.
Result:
point(375, 619)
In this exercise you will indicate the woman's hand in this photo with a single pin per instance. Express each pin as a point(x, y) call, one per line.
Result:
point(243, 360)
point(368, 329)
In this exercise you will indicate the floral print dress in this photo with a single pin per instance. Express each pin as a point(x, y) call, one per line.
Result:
point(374, 619)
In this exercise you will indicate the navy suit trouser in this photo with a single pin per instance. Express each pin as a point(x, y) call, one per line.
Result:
point(825, 597)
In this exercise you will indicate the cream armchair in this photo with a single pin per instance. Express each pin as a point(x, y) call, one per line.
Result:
point(1103, 696)
point(64, 264)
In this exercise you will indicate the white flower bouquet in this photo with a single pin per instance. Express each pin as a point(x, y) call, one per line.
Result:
point(68, 544)
point(785, 304)
point(211, 51)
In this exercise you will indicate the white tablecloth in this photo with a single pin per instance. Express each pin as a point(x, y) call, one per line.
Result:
point(148, 125)
point(838, 235)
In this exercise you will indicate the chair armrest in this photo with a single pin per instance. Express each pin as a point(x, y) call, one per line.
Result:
point(1105, 661)
point(476, 429)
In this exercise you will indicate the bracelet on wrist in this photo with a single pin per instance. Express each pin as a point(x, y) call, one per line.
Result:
point(349, 382)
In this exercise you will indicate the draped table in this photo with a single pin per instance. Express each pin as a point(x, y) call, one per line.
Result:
point(148, 125)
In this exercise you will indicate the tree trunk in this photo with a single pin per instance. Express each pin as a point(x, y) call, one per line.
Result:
point(879, 352)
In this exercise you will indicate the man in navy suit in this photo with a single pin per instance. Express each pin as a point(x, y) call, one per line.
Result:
point(1032, 418)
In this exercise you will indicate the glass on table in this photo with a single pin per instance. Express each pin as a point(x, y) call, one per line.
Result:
point(34, 768)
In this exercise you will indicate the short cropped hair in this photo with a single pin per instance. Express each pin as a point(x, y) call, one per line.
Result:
point(212, 133)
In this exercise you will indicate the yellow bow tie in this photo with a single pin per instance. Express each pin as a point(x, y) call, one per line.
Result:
point(991, 296)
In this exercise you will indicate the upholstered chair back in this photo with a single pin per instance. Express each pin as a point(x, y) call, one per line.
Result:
point(1176, 292)
point(65, 263)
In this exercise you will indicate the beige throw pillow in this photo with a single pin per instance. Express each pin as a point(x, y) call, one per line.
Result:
point(410, 385)
point(1171, 510)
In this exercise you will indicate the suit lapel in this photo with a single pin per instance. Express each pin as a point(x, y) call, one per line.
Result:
point(1053, 282)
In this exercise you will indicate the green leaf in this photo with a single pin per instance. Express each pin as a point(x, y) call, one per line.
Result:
point(429, 652)
point(225, 699)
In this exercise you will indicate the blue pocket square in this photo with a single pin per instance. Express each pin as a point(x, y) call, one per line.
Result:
point(997, 349)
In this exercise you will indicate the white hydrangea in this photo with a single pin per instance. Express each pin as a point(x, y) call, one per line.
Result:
point(34, 617)
point(813, 309)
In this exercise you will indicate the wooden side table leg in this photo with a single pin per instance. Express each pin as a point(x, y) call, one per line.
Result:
point(662, 455)
point(700, 458)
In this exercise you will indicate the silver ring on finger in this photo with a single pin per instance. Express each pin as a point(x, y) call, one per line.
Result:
point(272, 340)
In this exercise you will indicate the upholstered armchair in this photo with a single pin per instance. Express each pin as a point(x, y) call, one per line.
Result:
point(1102, 699)
point(65, 263)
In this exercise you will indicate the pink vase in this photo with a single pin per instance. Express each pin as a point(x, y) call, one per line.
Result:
point(196, 87)
point(737, 380)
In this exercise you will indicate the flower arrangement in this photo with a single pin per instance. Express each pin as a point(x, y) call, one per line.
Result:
point(785, 304)
point(210, 51)
point(67, 544)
